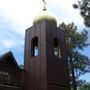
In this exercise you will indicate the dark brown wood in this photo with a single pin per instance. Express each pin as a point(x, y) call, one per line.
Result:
point(45, 71)
point(10, 77)
point(8, 59)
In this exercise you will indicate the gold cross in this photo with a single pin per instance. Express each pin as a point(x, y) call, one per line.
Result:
point(44, 5)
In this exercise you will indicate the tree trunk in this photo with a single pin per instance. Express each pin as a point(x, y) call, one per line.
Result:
point(73, 75)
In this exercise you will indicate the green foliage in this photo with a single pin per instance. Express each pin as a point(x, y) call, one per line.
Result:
point(85, 86)
point(21, 66)
point(84, 6)
point(81, 63)
point(78, 63)
point(74, 39)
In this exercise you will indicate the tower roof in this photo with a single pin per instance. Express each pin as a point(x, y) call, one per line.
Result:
point(45, 16)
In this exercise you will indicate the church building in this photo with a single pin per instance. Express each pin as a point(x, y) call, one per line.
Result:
point(45, 59)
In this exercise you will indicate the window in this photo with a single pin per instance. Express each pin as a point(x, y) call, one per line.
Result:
point(34, 46)
point(57, 51)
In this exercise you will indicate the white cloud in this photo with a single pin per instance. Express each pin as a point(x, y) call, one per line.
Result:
point(19, 14)
point(7, 43)
point(10, 43)
point(22, 12)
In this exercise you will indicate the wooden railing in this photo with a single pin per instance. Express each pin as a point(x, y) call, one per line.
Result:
point(11, 76)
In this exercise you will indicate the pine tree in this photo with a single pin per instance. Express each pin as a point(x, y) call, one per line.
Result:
point(84, 6)
point(78, 64)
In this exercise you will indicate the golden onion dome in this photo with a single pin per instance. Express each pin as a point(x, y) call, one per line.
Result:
point(45, 16)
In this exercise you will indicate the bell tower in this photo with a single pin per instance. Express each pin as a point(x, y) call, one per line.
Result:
point(45, 61)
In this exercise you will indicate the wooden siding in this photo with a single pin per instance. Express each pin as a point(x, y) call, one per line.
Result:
point(10, 77)
point(45, 69)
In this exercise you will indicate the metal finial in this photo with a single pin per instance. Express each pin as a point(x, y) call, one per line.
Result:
point(44, 5)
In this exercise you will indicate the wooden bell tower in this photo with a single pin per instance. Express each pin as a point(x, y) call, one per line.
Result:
point(45, 61)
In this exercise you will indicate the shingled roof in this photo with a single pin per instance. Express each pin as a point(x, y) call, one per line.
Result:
point(8, 58)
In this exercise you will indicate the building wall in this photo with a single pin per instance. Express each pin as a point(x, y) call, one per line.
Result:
point(45, 71)
point(35, 67)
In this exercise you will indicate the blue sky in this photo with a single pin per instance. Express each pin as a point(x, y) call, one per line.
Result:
point(17, 15)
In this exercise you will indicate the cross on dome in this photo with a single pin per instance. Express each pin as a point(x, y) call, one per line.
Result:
point(44, 5)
